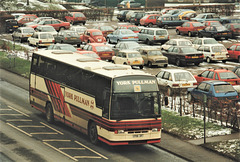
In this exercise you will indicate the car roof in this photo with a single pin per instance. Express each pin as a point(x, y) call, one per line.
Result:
point(180, 39)
point(219, 69)
point(129, 51)
point(153, 28)
point(97, 44)
point(25, 27)
point(215, 82)
point(126, 42)
point(175, 70)
point(211, 45)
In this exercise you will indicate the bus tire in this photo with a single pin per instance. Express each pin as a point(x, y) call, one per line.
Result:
point(49, 113)
point(92, 133)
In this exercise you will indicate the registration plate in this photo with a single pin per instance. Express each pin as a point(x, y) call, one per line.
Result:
point(15, 26)
point(231, 82)
point(47, 44)
point(220, 58)
point(137, 135)
point(161, 37)
point(194, 56)
point(187, 84)
point(136, 62)
point(105, 54)
point(29, 35)
point(224, 33)
point(73, 38)
point(130, 37)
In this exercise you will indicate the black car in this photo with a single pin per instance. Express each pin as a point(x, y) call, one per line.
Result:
point(216, 32)
point(183, 55)
point(11, 25)
point(135, 19)
point(68, 36)
point(121, 16)
point(236, 70)
point(169, 21)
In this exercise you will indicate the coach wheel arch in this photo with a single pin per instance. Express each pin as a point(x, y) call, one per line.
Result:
point(49, 113)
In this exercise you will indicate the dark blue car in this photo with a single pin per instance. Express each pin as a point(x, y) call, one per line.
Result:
point(214, 90)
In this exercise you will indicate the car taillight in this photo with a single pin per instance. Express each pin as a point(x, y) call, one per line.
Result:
point(188, 57)
point(143, 61)
point(227, 55)
point(128, 62)
point(22, 35)
point(154, 38)
point(40, 42)
point(168, 37)
point(66, 38)
point(215, 98)
point(201, 56)
point(124, 37)
point(136, 37)
point(119, 131)
point(175, 85)
point(135, 19)
point(53, 41)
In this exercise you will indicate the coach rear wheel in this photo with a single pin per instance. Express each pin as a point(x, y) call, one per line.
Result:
point(92, 132)
point(49, 113)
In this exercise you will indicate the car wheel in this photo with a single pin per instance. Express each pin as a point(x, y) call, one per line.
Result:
point(209, 60)
point(150, 25)
point(190, 34)
point(108, 40)
point(226, 38)
point(92, 133)
point(178, 62)
point(166, 65)
point(141, 66)
point(200, 35)
point(178, 32)
point(190, 97)
point(49, 113)
point(148, 42)
point(239, 59)
point(78, 45)
point(165, 26)
point(29, 43)
point(149, 64)
point(61, 28)
point(224, 61)
point(196, 64)
point(212, 36)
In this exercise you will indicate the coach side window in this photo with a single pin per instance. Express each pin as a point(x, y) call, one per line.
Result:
point(35, 67)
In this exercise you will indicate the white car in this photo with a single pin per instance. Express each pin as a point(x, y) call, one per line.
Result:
point(41, 39)
point(22, 33)
point(176, 42)
point(128, 57)
point(46, 29)
point(175, 80)
point(79, 29)
point(203, 41)
point(214, 52)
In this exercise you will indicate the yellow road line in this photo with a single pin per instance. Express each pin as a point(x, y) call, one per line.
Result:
point(18, 111)
point(18, 120)
point(60, 151)
point(20, 130)
point(71, 148)
point(87, 157)
point(55, 140)
point(52, 128)
point(91, 150)
point(43, 133)
point(30, 126)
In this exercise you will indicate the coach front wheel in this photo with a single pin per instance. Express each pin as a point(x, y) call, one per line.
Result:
point(92, 132)
point(49, 113)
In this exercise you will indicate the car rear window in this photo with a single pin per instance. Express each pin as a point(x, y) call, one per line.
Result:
point(79, 15)
point(46, 36)
point(183, 76)
point(161, 32)
point(219, 49)
point(132, 55)
point(188, 50)
point(228, 75)
point(223, 88)
point(103, 48)
point(133, 28)
point(96, 33)
point(28, 31)
point(210, 41)
point(197, 25)
point(236, 26)
point(185, 43)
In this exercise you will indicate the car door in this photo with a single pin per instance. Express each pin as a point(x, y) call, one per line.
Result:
point(140, 34)
point(231, 51)
point(119, 58)
point(144, 56)
point(199, 91)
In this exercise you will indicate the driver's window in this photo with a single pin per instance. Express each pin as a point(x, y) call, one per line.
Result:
point(201, 86)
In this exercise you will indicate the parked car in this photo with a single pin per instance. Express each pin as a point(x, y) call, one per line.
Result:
point(214, 52)
point(216, 32)
point(173, 81)
point(149, 20)
point(36, 21)
point(210, 23)
point(176, 42)
point(183, 13)
point(234, 29)
point(128, 57)
point(57, 24)
point(79, 29)
point(41, 39)
point(122, 35)
point(234, 52)
point(203, 41)
point(215, 92)
point(183, 55)
point(206, 17)
point(126, 45)
point(92, 36)
point(25, 19)
point(46, 28)
point(121, 16)
point(189, 28)
point(134, 28)
point(17, 15)
point(132, 4)
point(89, 54)
point(105, 30)
point(135, 19)
point(11, 25)
point(218, 74)
point(188, 16)
point(130, 14)
point(230, 19)
point(68, 36)
point(153, 35)
point(22, 33)
point(76, 17)
point(167, 21)
point(236, 70)
point(104, 51)
point(153, 57)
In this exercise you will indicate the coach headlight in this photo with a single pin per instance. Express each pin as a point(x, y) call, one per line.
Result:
point(154, 130)
point(119, 131)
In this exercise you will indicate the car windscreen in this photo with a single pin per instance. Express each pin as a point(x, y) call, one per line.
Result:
point(228, 75)
point(133, 45)
point(219, 49)
point(68, 48)
point(134, 28)
point(41, 22)
point(28, 31)
point(189, 50)
point(185, 43)
point(106, 28)
point(94, 55)
point(96, 33)
point(236, 26)
point(133, 55)
point(223, 88)
point(81, 29)
point(210, 41)
point(197, 25)
point(155, 53)
point(221, 28)
point(71, 34)
point(183, 76)
point(79, 15)
point(127, 32)
point(103, 48)
point(161, 32)
point(46, 36)
point(48, 29)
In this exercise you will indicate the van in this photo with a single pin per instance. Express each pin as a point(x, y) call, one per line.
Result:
point(153, 35)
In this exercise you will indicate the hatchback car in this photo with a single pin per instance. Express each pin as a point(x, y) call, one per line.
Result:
point(22, 33)
point(183, 55)
point(206, 17)
point(216, 32)
point(57, 24)
point(136, 17)
point(176, 42)
point(153, 35)
point(122, 35)
point(175, 80)
point(128, 57)
point(214, 52)
point(105, 30)
point(236, 70)
point(210, 23)
point(79, 29)
point(218, 74)
point(153, 57)
point(69, 37)
point(122, 15)
point(36, 21)
point(215, 92)
point(149, 20)
point(76, 17)
point(93, 36)
point(189, 28)
point(134, 28)
point(104, 51)
point(46, 28)
point(188, 16)
point(167, 21)
point(234, 28)
point(41, 39)
point(25, 19)
point(126, 45)
point(234, 52)
point(11, 25)
point(203, 41)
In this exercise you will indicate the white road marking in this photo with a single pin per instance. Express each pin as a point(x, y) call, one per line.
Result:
point(19, 130)
point(18, 111)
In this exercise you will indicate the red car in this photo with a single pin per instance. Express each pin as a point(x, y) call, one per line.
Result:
point(76, 17)
point(234, 51)
point(25, 19)
point(104, 51)
point(89, 53)
point(93, 36)
point(134, 28)
point(234, 29)
point(57, 24)
point(149, 20)
point(189, 28)
point(209, 23)
point(105, 30)
point(218, 74)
